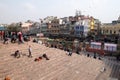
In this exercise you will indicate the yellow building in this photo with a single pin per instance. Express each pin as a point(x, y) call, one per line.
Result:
point(109, 29)
point(92, 24)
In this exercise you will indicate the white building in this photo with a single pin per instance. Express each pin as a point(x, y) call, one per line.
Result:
point(26, 27)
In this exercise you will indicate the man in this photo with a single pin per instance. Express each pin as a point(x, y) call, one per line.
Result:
point(30, 51)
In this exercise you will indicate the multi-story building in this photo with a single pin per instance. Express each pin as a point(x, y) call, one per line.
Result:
point(82, 27)
point(48, 19)
point(111, 31)
point(26, 27)
point(111, 28)
point(78, 26)
point(44, 28)
point(35, 28)
point(54, 27)
point(65, 27)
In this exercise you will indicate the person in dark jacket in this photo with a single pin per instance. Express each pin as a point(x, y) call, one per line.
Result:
point(45, 56)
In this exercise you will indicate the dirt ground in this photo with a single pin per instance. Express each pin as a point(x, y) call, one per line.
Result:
point(59, 67)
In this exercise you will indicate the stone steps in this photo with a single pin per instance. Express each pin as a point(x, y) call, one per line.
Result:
point(44, 64)
point(51, 66)
point(59, 67)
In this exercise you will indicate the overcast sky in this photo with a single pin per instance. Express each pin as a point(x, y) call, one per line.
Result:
point(22, 10)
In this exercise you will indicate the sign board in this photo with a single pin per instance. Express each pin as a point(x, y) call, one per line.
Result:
point(40, 35)
point(95, 45)
point(110, 47)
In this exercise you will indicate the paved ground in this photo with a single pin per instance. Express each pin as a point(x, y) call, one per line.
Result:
point(59, 67)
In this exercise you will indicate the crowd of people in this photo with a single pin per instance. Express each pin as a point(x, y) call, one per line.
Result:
point(13, 37)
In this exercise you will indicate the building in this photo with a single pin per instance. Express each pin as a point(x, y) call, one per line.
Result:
point(82, 27)
point(44, 28)
point(77, 26)
point(34, 28)
point(54, 27)
point(59, 27)
point(65, 27)
point(48, 19)
point(26, 27)
point(111, 30)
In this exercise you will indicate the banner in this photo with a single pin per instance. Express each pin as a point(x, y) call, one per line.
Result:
point(110, 47)
point(95, 45)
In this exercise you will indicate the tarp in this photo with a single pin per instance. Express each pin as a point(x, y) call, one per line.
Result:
point(2, 28)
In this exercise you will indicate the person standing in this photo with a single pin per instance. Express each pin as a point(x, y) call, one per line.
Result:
point(30, 51)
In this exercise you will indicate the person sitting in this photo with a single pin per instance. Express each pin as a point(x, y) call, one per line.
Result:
point(38, 59)
point(99, 58)
point(94, 56)
point(34, 40)
point(5, 40)
point(45, 56)
point(88, 55)
point(77, 52)
point(70, 53)
point(17, 54)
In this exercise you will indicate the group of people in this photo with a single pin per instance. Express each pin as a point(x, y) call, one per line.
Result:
point(14, 36)
point(94, 56)
point(18, 54)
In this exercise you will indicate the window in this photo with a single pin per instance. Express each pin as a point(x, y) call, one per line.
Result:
point(77, 27)
point(114, 32)
point(107, 31)
point(103, 31)
point(110, 31)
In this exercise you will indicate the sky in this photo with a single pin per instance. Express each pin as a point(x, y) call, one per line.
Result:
point(23, 10)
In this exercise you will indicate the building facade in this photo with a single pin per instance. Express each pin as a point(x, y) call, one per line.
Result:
point(110, 29)
point(26, 27)
point(82, 28)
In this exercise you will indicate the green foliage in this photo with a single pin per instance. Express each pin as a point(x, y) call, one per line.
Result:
point(14, 27)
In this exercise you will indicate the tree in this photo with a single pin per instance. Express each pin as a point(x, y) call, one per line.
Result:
point(14, 27)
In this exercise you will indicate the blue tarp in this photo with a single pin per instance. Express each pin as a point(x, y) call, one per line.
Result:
point(2, 28)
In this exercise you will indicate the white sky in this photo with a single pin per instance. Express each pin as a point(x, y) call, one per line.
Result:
point(23, 10)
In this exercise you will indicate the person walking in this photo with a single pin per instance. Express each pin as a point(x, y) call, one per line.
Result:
point(30, 51)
